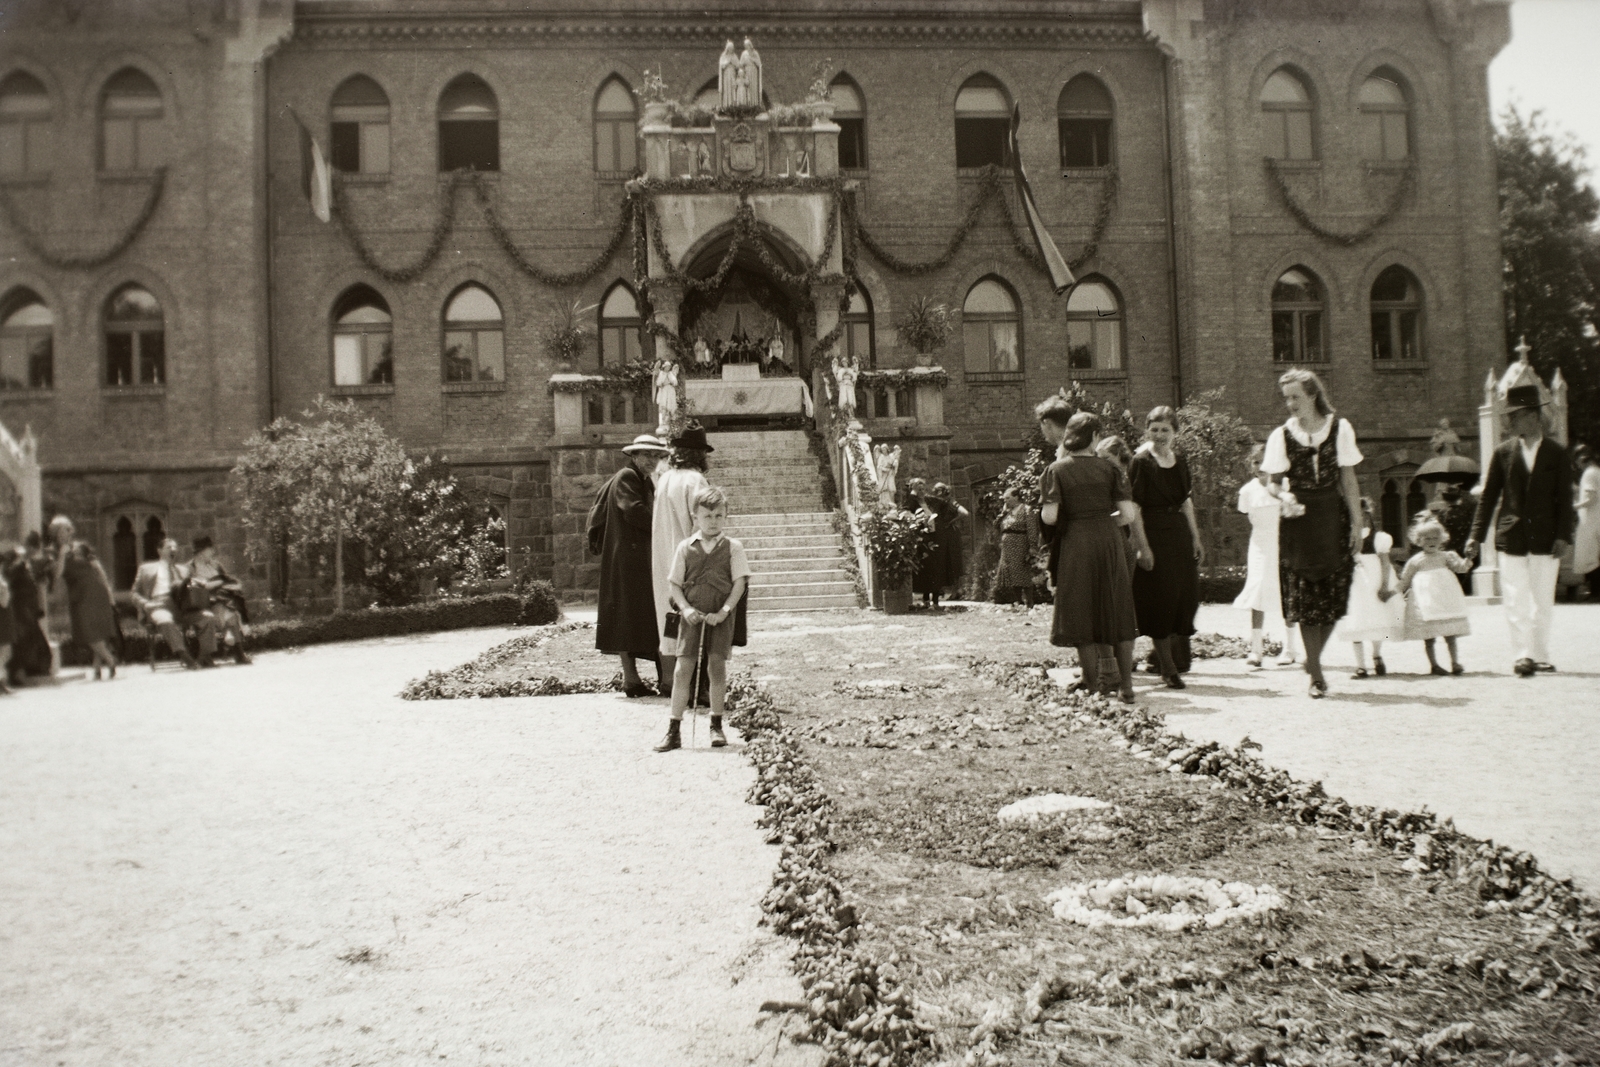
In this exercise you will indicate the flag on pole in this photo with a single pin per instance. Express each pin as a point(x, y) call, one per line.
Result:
point(1060, 274)
point(316, 182)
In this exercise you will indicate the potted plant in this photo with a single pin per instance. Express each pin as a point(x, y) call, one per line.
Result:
point(926, 327)
point(563, 339)
point(898, 541)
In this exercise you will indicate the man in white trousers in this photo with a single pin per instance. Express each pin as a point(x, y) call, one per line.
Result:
point(1530, 479)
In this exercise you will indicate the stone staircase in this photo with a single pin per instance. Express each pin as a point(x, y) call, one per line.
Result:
point(775, 509)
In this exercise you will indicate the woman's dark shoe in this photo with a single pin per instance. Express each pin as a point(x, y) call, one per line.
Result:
point(1456, 668)
point(1359, 672)
point(1319, 689)
point(640, 690)
point(1127, 697)
point(1175, 681)
point(1436, 669)
point(1378, 667)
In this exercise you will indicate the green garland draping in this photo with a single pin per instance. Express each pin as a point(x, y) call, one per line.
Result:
point(1408, 178)
point(554, 279)
point(633, 377)
point(89, 261)
point(443, 224)
point(901, 377)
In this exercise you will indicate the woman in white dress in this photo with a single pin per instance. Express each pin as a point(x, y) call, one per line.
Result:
point(671, 523)
point(1370, 615)
point(1260, 592)
point(1586, 543)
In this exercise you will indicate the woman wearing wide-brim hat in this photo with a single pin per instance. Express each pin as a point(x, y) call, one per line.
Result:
point(941, 568)
point(676, 489)
point(619, 529)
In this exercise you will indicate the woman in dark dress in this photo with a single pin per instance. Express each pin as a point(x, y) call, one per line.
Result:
point(8, 624)
point(94, 618)
point(626, 620)
point(1312, 457)
point(30, 652)
point(941, 568)
point(1084, 499)
point(1167, 596)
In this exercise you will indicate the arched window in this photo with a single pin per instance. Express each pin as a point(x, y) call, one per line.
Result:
point(474, 337)
point(616, 130)
point(155, 532)
point(359, 135)
point(124, 553)
point(983, 123)
point(857, 322)
point(130, 122)
point(1286, 117)
point(850, 115)
point(1385, 117)
point(136, 338)
point(991, 331)
point(1297, 318)
point(24, 125)
point(708, 98)
point(621, 327)
point(1083, 117)
point(27, 340)
point(1094, 327)
point(469, 126)
point(1391, 515)
point(1396, 316)
point(1416, 501)
point(363, 338)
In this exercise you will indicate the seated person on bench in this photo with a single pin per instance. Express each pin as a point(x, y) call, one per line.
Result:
point(157, 588)
point(227, 595)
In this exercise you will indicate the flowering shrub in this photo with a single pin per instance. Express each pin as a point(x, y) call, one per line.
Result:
point(898, 540)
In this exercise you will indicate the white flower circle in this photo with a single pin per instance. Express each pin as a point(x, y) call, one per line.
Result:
point(1162, 902)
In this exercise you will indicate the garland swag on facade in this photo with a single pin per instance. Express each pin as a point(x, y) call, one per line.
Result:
point(89, 261)
point(1408, 178)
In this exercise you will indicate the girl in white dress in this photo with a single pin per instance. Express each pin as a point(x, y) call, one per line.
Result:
point(1371, 616)
point(1435, 605)
point(1586, 543)
point(1260, 593)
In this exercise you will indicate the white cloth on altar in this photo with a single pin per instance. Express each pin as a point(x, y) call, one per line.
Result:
point(768, 396)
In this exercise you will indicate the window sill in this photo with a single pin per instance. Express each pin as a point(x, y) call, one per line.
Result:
point(1301, 166)
point(490, 176)
point(1086, 172)
point(1386, 166)
point(126, 177)
point(352, 177)
point(1300, 363)
point(994, 377)
point(24, 181)
point(474, 387)
point(120, 392)
point(376, 389)
point(976, 173)
point(22, 394)
point(857, 173)
point(1399, 365)
point(1097, 374)
point(615, 177)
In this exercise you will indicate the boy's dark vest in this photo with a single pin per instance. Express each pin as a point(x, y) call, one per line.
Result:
point(707, 576)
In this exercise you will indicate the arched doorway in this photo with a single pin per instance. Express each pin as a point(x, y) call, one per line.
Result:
point(750, 308)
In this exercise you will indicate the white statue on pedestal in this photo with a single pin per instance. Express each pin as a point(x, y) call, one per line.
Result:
point(728, 76)
point(775, 349)
point(750, 75)
point(888, 464)
point(666, 386)
point(702, 353)
point(845, 372)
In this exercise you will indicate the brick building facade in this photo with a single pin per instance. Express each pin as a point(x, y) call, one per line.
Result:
point(1366, 248)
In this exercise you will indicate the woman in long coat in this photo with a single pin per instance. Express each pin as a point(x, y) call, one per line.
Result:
point(94, 618)
point(1314, 456)
point(626, 620)
point(30, 652)
point(672, 522)
point(1167, 596)
point(941, 568)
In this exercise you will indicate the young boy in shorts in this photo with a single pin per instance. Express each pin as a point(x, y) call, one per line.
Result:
point(708, 576)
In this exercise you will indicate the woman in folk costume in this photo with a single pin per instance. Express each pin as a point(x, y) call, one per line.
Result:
point(672, 522)
point(625, 623)
point(1260, 594)
point(1370, 614)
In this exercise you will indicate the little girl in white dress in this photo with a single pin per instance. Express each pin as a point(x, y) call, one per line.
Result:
point(1369, 616)
point(1260, 592)
point(1435, 605)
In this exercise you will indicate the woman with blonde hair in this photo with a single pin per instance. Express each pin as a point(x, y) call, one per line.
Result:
point(1311, 460)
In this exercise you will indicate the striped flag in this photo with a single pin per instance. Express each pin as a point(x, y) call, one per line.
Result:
point(1060, 274)
point(316, 182)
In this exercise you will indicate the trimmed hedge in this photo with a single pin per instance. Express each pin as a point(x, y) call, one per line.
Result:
point(536, 606)
point(1221, 585)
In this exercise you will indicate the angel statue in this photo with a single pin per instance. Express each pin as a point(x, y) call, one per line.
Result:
point(750, 68)
point(1444, 439)
point(775, 350)
point(666, 386)
point(888, 464)
point(728, 76)
point(845, 372)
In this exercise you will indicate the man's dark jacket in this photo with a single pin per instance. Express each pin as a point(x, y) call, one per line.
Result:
point(1535, 506)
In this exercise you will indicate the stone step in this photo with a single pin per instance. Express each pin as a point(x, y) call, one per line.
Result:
point(790, 553)
point(825, 602)
point(789, 589)
point(758, 520)
point(767, 580)
point(757, 538)
point(814, 565)
point(819, 540)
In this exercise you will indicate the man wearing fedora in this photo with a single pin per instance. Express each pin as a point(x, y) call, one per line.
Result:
point(1530, 480)
point(619, 533)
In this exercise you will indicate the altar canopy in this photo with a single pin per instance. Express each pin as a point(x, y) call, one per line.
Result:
point(764, 396)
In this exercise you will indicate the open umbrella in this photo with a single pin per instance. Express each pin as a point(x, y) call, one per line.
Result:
point(1449, 468)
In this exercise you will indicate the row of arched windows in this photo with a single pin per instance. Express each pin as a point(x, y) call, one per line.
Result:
point(1289, 112)
point(1300, 320)
point(133, 331)
point(131, 110)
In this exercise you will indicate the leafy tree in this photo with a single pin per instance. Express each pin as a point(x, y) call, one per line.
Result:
point(1552, 259)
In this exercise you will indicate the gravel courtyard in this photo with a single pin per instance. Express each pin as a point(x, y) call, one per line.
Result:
point(286, 864)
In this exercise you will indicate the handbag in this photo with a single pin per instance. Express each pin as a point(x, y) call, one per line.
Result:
point(192, 595)
point(669, 629)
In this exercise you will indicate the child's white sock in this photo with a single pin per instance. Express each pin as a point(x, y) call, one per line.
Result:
point(1256, 641)
point(1361, 654)
point(1291, 642)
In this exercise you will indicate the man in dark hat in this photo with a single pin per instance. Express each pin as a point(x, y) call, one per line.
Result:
point(619, 532)
point(1456, 513)
point(227, 596)
point(1530, 480)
